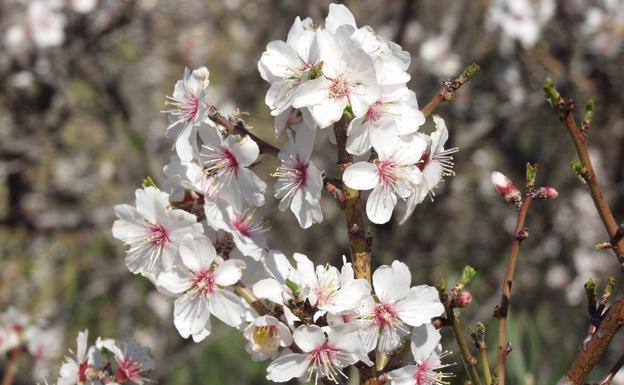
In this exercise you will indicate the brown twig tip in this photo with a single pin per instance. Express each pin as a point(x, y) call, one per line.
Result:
point(449, 87)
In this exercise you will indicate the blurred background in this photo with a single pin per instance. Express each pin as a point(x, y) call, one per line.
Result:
point(82, 84)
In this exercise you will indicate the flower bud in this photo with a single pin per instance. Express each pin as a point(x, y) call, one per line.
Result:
point(547, 193)
point(463, 299)
point(506, 188)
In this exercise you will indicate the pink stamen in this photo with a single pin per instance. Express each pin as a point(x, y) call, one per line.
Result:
point(340, 88)
point(375, 112)
point(232, 162)
point(128, 370)
point(158, 235)
point(323, 355)
point(301, 173)
point(191, 108)
point(386, 171)
point(204, 281)
point(385, 314)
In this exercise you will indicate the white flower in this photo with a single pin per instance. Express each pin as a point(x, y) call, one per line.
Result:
point(227, 162)
point(84, 368)
point(246, 228)
point(287, 65)
point(395, 113)
point(438, 57)
point(133, 360)
point(299, 182)
point(265, 335)
point(393, 174)
point(427, 353)
point(521, 20)
point(435, 164)
point(201, 284)
point(82, 6)
point(323, 355)
point(188, 109)
point(47, 25)
point(348, 79)
point(386, 321)
point(153, 231)
point(43, 344)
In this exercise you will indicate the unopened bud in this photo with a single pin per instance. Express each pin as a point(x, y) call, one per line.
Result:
point(505, 187)
point(463, 299)
point(547, 193)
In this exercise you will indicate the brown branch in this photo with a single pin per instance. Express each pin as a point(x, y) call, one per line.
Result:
point(501, 310)
point(470, 361)
point(591, 351)
point(238, 127)
point(589, 354)
point(246, 294)
point(566, 109)
point(352, 210)
point(334, 187)
point(449, 87)
point(11, 367)
point(616, 368)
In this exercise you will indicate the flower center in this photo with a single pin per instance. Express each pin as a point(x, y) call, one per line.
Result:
point(384, 315)
point(264, 337)
point(375, 112)
point(82, 371)
point(204, 282)
point(323, 355)
point(158, 235)
point(386, 170)
point(128, 370)
point(340, 88)
point(246, 224)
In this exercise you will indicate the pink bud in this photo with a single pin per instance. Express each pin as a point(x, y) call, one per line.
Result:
point(463, 299)
point(505, 187)
point(547, 192)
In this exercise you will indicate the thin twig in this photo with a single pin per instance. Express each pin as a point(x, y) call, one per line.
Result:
point(11, 367)
point(238, 127)
point(449, 87)
point(470, 362)
point(352, 209)
point(609, 377)
point(501, 310)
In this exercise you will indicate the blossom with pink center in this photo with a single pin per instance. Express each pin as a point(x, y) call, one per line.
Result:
point(384, 321)
point(299, 182)
point(435, 164)
point(153, 231)
point(427, 353)
point(288, 65)
point(348, 79)
point(324, 355)
point(133, 361)
point(187, 111)
point(394, 174)
point(245, 226)
point(46, 23)
point(266, 334)
point(395, 114)
point(226, 162)
point(201, 286)
point(84, 367)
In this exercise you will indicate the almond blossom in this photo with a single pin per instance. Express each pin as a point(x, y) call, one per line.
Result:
point(435, 164)
point(245, 226)
point(427, 353)
point(83, 368)
point(348, 79)
point(266, 334)
point(287, 65)
point(299, 182)
point(226, 161)
point(187, 110)
point(324, 355)
point(132, 360)
point(201, 286)
point(153, 231)
point(395, 113)
point(386, 320)
point(394, 174)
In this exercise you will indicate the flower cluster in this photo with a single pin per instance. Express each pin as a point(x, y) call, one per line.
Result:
point(321, 76)
point(42, 23)
point(200, 239)
point(18, 332)
point(107, 362)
